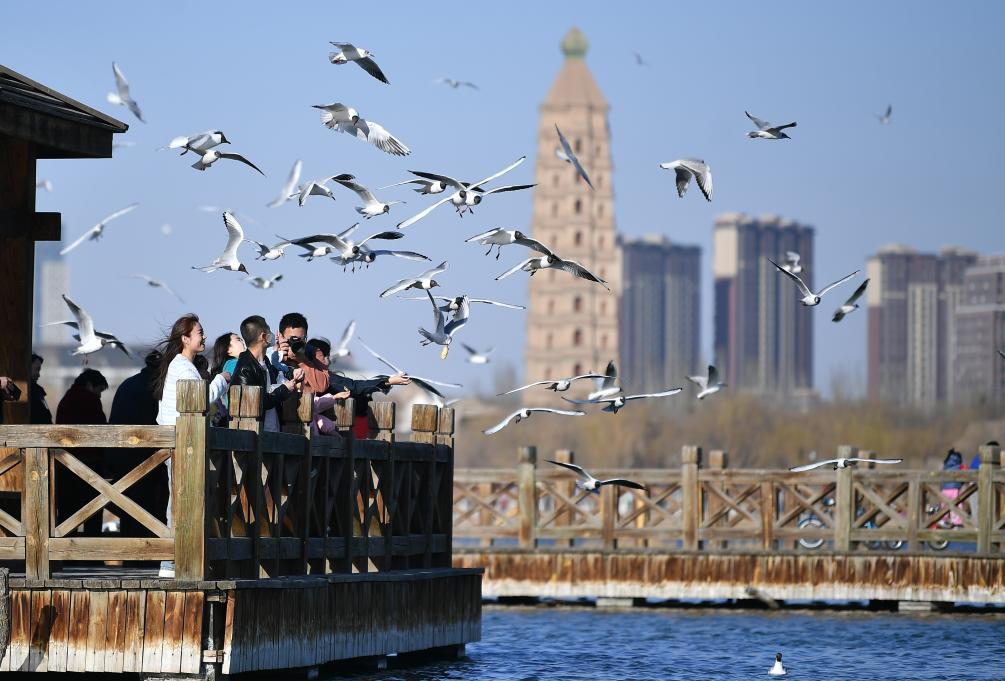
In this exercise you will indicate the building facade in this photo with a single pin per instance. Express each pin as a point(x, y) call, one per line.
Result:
point(763, 335)
point(978, 370)
point(572, 324)
point(912, 337)
point(659, 311)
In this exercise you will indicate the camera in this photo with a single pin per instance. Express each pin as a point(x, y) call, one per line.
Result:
point(297, 345)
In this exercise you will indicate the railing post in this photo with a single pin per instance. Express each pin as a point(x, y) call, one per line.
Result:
point(844, 501)
point(188, 482)
point(717, 462)
point(609, 499)
point(564, 517)
point(297, 418)
point(35, 512)
point(345, 417)
point(246, 413)
point(990, 461)
point(914, 511)
point(382, 418)
point(690, 495)
point(526, 477)
point(425, 418)
point(445, 491)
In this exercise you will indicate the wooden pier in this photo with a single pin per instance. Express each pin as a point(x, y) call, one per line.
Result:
point(711, 533)
point(289, 551)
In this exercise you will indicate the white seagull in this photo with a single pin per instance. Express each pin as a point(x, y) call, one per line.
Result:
point(424, 281)
point(609, 385)
point(524, 413)
point(767, 131)
point(707, 385)
point(121, 95)
point(552, 261)
point(347, 52)
point(461, 302)
point(476, 357)
point(443, 331)
point(211, 156)
point(425, 186)
point(792, 263)
point(570, 157)
point(588, 483)
point(228, 260)
point(426, 384)
point(341, 350)
point(559, 386)
point(273, 252)
point(456, 83)
point(286, 193)
point(338, 116)
point(843, 462)
point(263, 283)
point(89, 339)
point(851, 304)
point(777, 669)
point(156, 283)
point(44, 184)
point(346, 251)
point(686, 168)
point(96, 232)
point(318, 187)
point(615, 403)
point(499, 237)
point(371, 207)
point(464, 196)
point(200, 143)
point(810, 298)
point(884, 118)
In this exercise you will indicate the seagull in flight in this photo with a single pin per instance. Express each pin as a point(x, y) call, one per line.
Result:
point(341, 350)
point(96, 232)
point(570, 157)
point(686, 168)
point(347, 52)
point(211, 156)
point(810, 298)
point(851, 304)
point(426, 384)
point(524, 413)
point(200, 143)
point(767, 131)
point(228, 260)
point(843, 462)
point(464, 195)
point(44, 184)
point(792, 264)
point(443, 331)
point(121, 95)
point(615, 403)
point(476, 357)
point(424, 281)
point(461, 302)
point(371, 207)
point(338, 116)
point(273, 252)
point(499, 237)
point(263, 283)
point(287, 193)
point(424, 186)
point(884, 118)
point(639, 61)
point(318, 187)
point(707, 385)
point(346, 251)
point(609, 385)
point(559, 386)
point(456, 83)
point(588, 483)
point(89, 340)
point(552, 261)
point(156, 283)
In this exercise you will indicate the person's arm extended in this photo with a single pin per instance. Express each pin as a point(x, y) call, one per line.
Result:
point(218, 387)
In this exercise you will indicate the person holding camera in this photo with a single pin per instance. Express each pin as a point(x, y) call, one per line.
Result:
point(255, 368)
point(9, 392)
point(290, 353)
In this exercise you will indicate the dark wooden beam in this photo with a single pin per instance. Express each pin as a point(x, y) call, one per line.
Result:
point(37, 226)
point(54, 136)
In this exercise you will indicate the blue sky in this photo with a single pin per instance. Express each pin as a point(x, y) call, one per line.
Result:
point(929, 179)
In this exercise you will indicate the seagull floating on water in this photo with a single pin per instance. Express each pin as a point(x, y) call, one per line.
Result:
point(499, 237)
point(709, 384)
point(263, 283)
point(90, 340)
point(615, 403)
point(559, 386)
point(424, 281)
point(347, 52)
point(884, 118)
point(767, 131)
point(777, 669)
point(156, 283)
point(286, 193)
point(686, 168)
point(96, 232)
point(521, 414)
point(843, 462)
point(810, 298)
point(570, 157)
point(851, 304)
point(588, 483)
point(426, 384)
point(338, 116)
point(121, 95)
point(228, 260)
point(372, 207)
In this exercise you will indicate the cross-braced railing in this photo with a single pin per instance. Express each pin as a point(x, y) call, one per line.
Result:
point(715, 508)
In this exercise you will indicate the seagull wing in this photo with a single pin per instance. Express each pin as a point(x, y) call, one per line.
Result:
point(574, 268)
point(497, 303)
point(811, 466)
point(572, 157)
point(379, 137)
point(471, 350)
point(395, 288)
point(581, 376)
point(561, 412)
point(884, 461)
point(387, 236)
point(794, 277)
point(578, 470)
point(408, 255)
point(514, 269)
point(291, 182)
point(235, 234)
point(432, 382)
point(85, 325)
point(858, 293)
point(502, 424)
point(779, 128)
point(443, 179)
point(423, 213)
point(610, 376)
point(362, 192)
point(713, 375)
point(665, 393)
point(398, 184)
point(81, 239)
point(429, 274)
point(702, 175)
point(332, 239)
point(379, 358)
point(484, 235)
point(113, 341)
point(759, 122)
point(524, 387)
point(121, 84)
point(622, 482)
point(425, 385)
point(370, 66)
point(700, 381)
point(534, 245)
point(238, 157)
point(508, 188)
point(438, 321)
point(347, 335)
point(600, 400)
point(501, 172)
point(117, 214)
point(837, 283)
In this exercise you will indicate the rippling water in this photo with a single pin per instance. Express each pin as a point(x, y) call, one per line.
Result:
point(581, 643)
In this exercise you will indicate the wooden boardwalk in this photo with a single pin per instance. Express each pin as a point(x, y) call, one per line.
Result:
point(709, 532)
point(289, 551)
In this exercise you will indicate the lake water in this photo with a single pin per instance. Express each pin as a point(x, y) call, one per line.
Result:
point(581, 643)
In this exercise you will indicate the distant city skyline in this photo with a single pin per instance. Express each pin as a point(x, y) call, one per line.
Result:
point(861, 184)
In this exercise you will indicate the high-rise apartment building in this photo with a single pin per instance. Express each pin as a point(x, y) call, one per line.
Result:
point(978, 370)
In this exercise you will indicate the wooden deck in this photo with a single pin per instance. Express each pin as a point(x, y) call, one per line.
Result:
point(715, 533)
point(289, 551)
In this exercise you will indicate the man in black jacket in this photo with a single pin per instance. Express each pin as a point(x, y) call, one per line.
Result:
point(253, 368)
point(38, 409)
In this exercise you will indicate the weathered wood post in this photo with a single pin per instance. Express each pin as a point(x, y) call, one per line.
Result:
point(690, 457)
point(609, 516)
point(382, 419)
point(990, 461)
point(297, 415)
point(425, 418)
point(914, 511)
point(188, 480)
point(526, 480)
point(564, 517)
point(345, 417)
point(246, 413)
point(717, 462)
point(35, 513)
point(445, 493)
point(844, 501)
point(5, 622)
point(381, 416)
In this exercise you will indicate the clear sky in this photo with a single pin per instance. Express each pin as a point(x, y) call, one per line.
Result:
point(929, 179)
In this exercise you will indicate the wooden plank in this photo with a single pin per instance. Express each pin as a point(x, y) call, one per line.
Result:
point(115, 632)
point(35, 513)
point(111, 548)
point(34, 225)
point(135, 606)
point(844, 500)
point(97, 615)
point(64, 436)
point(188, 485)
point(20, 629)
point(282, 443)
point(174, 622)
point(690, 495)
point(232, 440)
point(59, 629)
point(527, 496)
point(191, 640)
point(153, 639)
point(767, 515)
point(231, 644)
point(40, 627)
point(76, 644)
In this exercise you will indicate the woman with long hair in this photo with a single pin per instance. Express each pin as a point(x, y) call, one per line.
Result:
point(227, 347)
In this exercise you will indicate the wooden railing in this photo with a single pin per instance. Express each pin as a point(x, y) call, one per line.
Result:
point(714, 508)
point(245, 503)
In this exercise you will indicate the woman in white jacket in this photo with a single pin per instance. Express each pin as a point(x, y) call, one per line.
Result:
point(185, 341)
